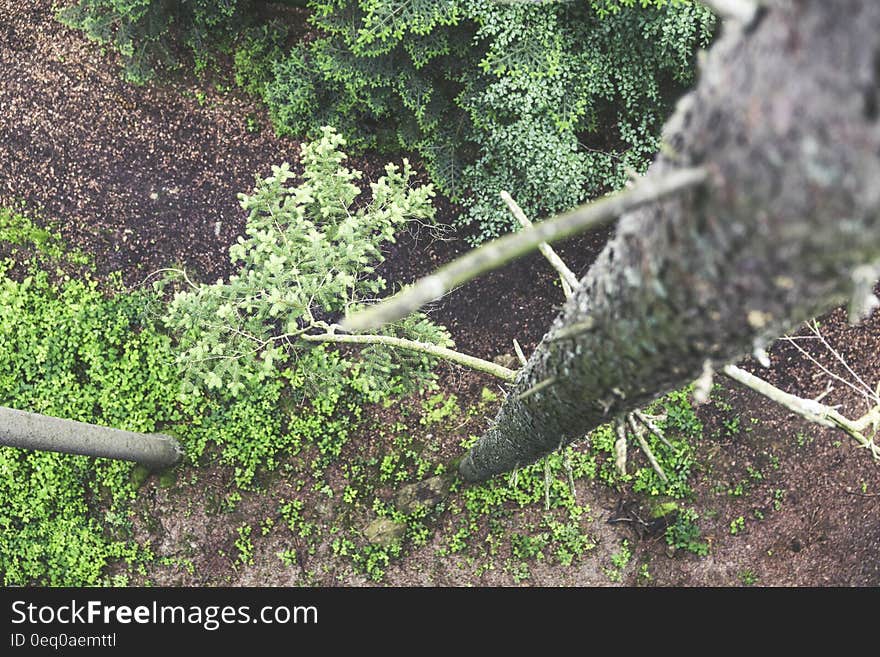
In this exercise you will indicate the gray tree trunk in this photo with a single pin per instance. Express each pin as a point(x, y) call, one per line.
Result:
point(41, 432)
point(784, 118)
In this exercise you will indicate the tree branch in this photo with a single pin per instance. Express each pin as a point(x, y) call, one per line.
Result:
point(519, 353)
point(810, 409)
point(503, 250)
point(647, 449)
point(653, 428)
point(863, 301)
point(422, 347)
point(41, 432)
point(565, 274)
point(620, 449)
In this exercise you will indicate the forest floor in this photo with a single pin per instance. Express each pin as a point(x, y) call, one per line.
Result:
point(146, 177)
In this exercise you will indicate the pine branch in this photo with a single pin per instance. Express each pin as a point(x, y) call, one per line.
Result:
point(422, 347)
point(503, 250)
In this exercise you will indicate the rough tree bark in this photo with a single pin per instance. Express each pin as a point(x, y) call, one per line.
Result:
point(784, 119)
point(42, 432)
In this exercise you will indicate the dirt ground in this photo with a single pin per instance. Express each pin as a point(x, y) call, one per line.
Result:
point(146, 177)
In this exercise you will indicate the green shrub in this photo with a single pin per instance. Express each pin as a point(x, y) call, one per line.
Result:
point(255, 55)
point(253, 430)
point(67, 350)
point(152, 35)
point(685, 534)
point(553, 102)
point(681, 428)
point(50, 534)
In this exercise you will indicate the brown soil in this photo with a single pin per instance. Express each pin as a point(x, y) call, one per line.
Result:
point(146, 177)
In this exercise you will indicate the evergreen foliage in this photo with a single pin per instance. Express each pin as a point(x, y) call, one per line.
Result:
point(149, 35)
point(310, 254)
point(552, 101)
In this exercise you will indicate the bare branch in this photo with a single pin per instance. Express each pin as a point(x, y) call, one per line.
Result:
point(863, 302)
point(653, 428)
point(810, 409)
point(503, 250)
point(567, 291)
point(647, 449)
point(573, 330)
point(703, 385)
point(537, 388)
point(569, 280)
point(620, 449)
point(519, 353)
point(869, 394)
point(26, 430)
point(759, 353)
point(569, 470)
point(423, 347)
point(547, 483)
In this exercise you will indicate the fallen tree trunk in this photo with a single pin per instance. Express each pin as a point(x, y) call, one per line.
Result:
point(784, 121)
point(32, 431)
